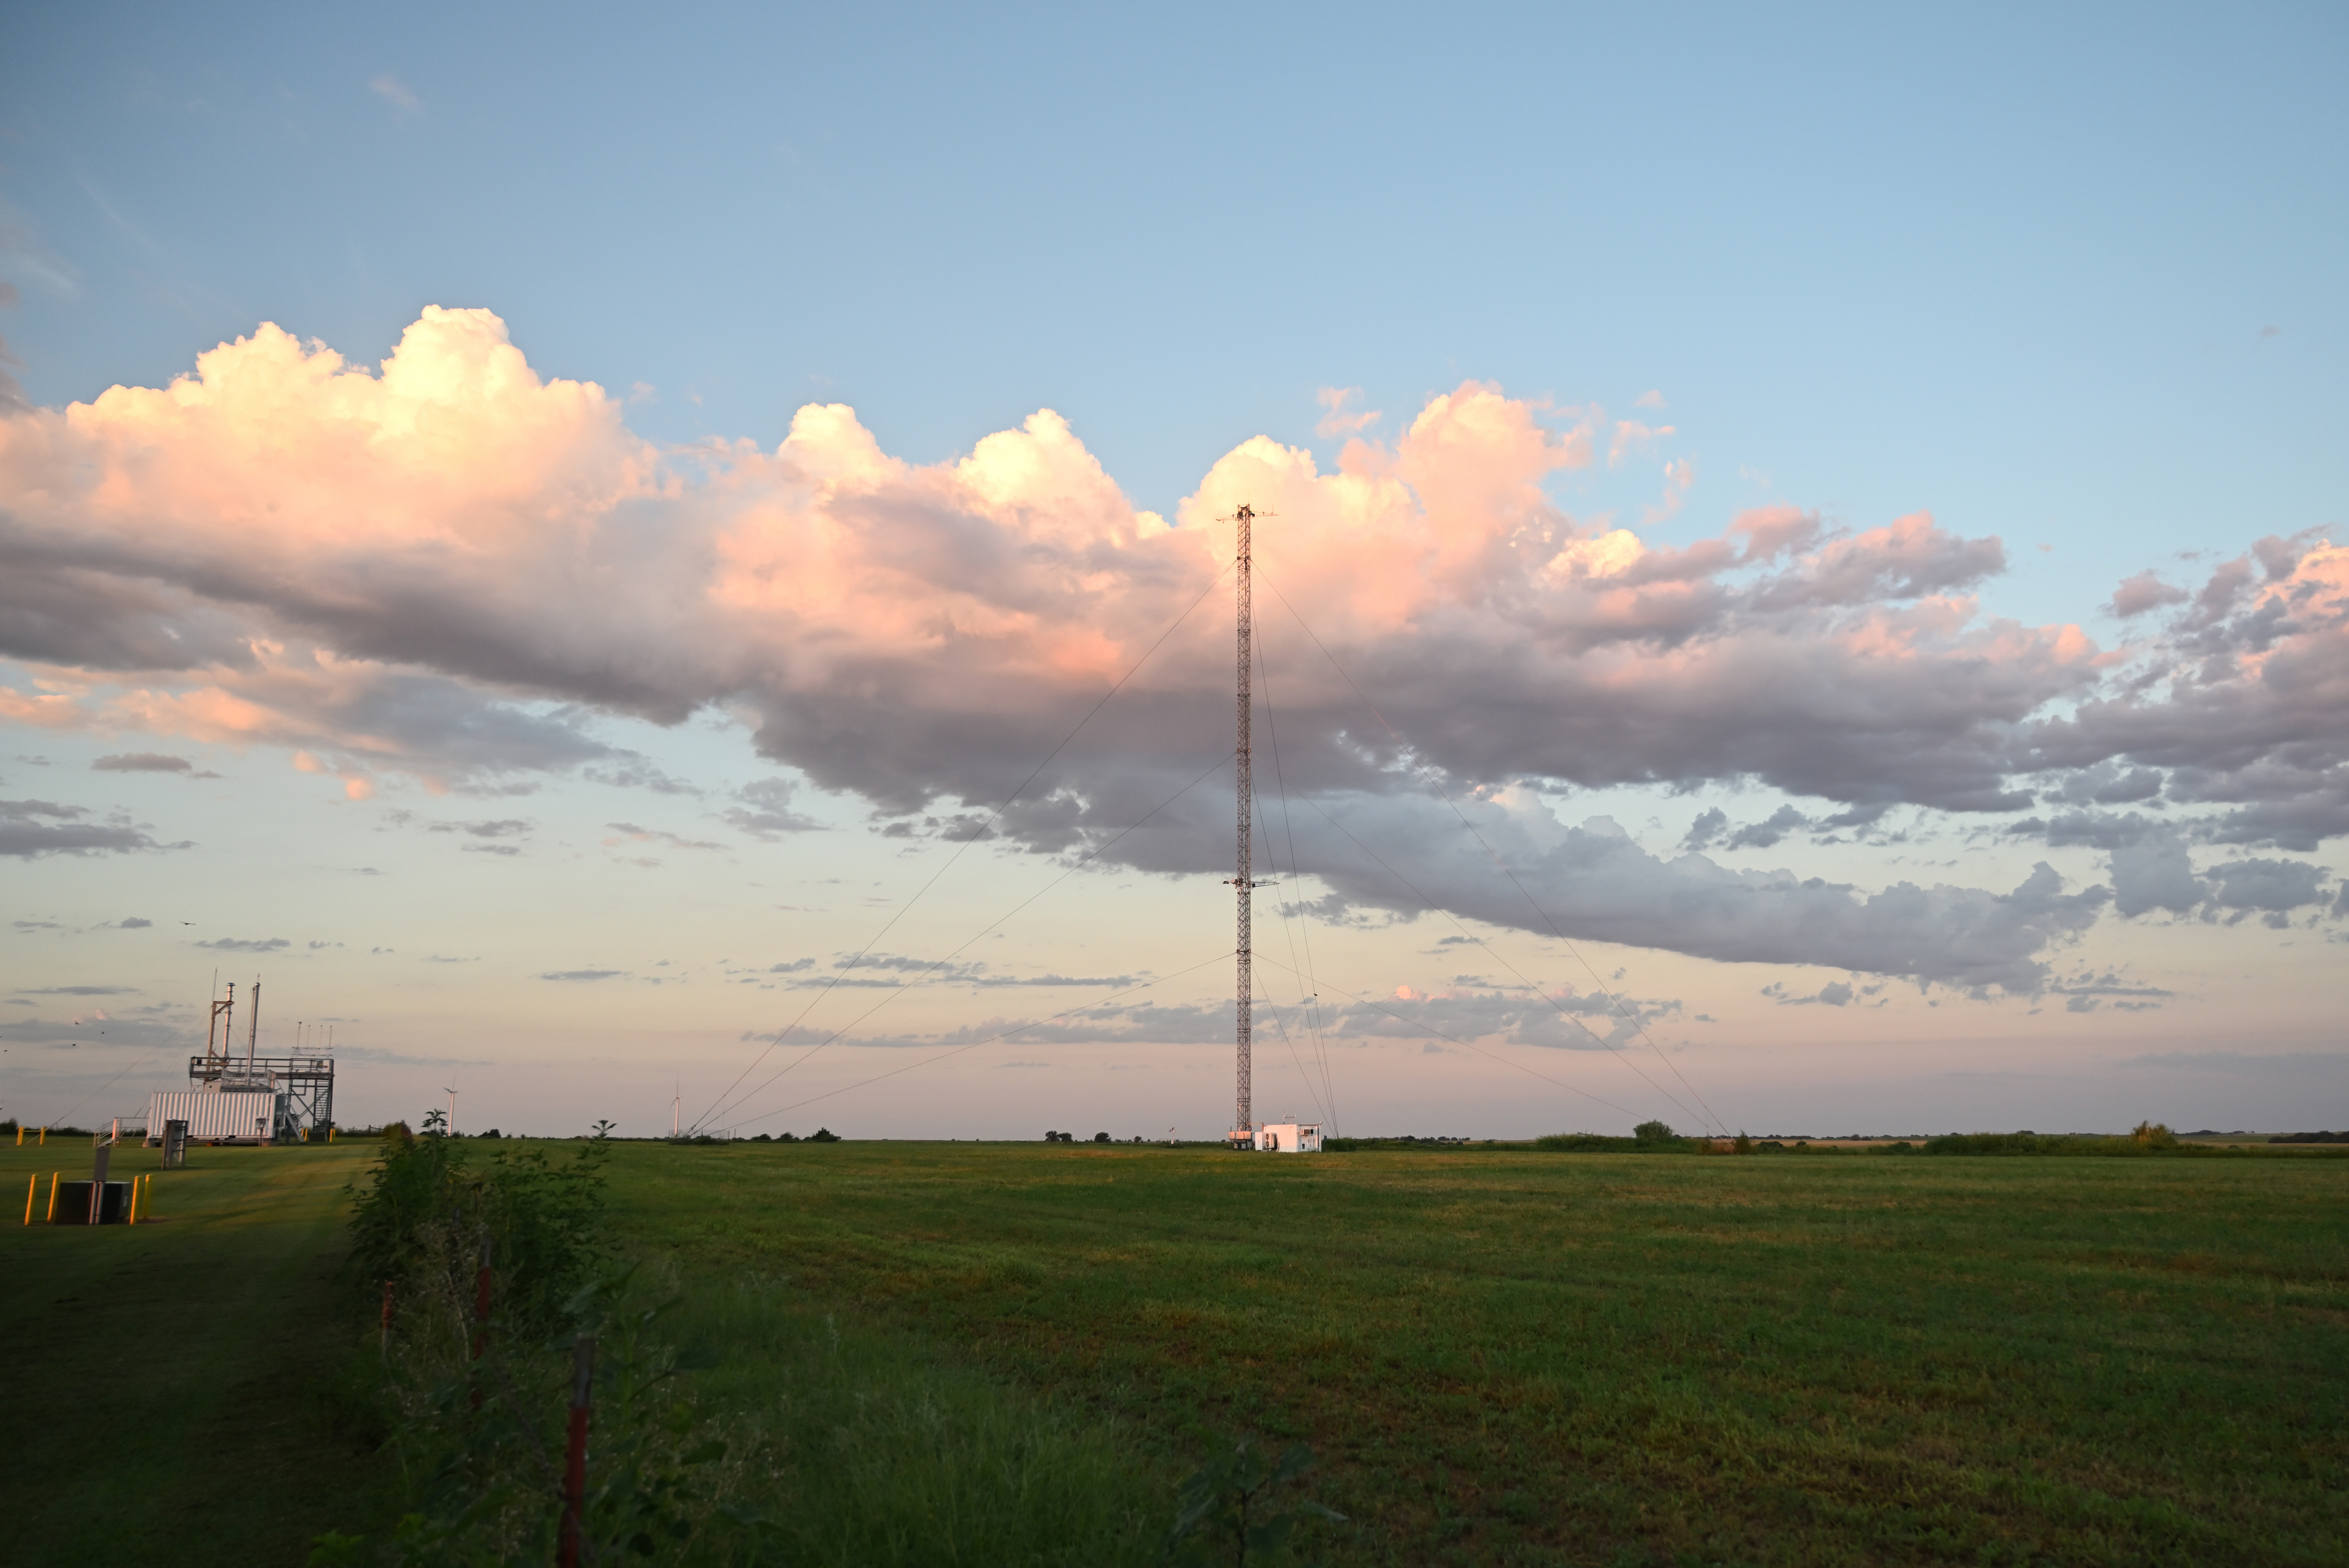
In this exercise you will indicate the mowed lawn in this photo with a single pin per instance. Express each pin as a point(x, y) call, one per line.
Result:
point(1517, 1356)
point(161, 1394)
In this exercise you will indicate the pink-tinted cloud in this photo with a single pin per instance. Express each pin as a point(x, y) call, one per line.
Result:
point(1342, 418)
point(1631, 439)
point(446, 569)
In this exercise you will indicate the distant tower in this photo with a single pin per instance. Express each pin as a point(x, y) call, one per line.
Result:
point(1243, 1134)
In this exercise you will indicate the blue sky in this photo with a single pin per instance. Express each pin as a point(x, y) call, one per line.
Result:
point(2061, 280)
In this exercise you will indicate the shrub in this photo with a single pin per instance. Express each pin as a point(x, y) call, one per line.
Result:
point(823, 1135)
point(422, 1222)
point(2150, 1138)
point(1651, 1133)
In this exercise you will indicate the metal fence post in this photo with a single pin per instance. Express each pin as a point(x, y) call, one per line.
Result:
point(574, 1467)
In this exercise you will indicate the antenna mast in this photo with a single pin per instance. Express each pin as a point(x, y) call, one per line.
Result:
point(222, 1025)
point(1243, 1133)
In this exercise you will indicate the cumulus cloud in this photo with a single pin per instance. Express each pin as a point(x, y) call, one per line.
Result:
point(2145, 592)
point(33, 827)
point(2154, 874)
point(2241, 696)
point(451, 568)
point(2152, 868)
point(1765, 835)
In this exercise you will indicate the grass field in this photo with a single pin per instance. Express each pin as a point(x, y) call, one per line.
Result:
point(993, 1353)
point(160, 1386)
point(1506, 1356)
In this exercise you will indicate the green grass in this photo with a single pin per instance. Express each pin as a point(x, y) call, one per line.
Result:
point(161, 1380)
point(1531, 1358)
point(1012, 1353)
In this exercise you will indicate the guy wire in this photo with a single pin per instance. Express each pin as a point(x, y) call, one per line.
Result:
point(995, 817)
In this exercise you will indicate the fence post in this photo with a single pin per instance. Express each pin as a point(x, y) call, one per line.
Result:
point(481, 1316)
point(32, 1185)
point(52, 1215)
point(574, 1465)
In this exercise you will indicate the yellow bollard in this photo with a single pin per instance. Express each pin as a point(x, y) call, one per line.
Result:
point(330, 1134)
point(45, 1139)
point(32, 1185)
point(52, 1215)
point(20, 1135)
point(132, 1218)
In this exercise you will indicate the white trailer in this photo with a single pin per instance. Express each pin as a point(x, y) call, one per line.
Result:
point(216, 1116)
point(1290, 1138)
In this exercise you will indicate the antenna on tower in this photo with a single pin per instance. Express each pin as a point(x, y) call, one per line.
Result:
point(223, 1025)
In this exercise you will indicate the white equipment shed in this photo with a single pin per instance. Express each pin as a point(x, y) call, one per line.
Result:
point(1290, 1138)
point(216, 1115)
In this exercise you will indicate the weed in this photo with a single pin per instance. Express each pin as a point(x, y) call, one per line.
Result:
point(1227, 1512)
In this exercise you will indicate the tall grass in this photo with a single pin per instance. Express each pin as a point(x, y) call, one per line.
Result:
point(800, 1435)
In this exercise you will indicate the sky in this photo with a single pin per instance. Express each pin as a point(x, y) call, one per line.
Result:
point(679, 567)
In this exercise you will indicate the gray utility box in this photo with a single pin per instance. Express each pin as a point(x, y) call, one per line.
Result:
point(74, 1205)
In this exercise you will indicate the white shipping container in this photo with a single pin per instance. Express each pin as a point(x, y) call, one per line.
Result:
point(214, 1115)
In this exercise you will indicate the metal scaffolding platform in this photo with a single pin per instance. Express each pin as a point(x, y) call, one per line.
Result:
point(305, 1087)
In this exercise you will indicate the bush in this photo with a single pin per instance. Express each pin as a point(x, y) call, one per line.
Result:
point(1583, 1143)
point(422, 1221)
point(2149, 1139)
point(481, 1442)
point(823, 1135)
point(1649, 1132)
